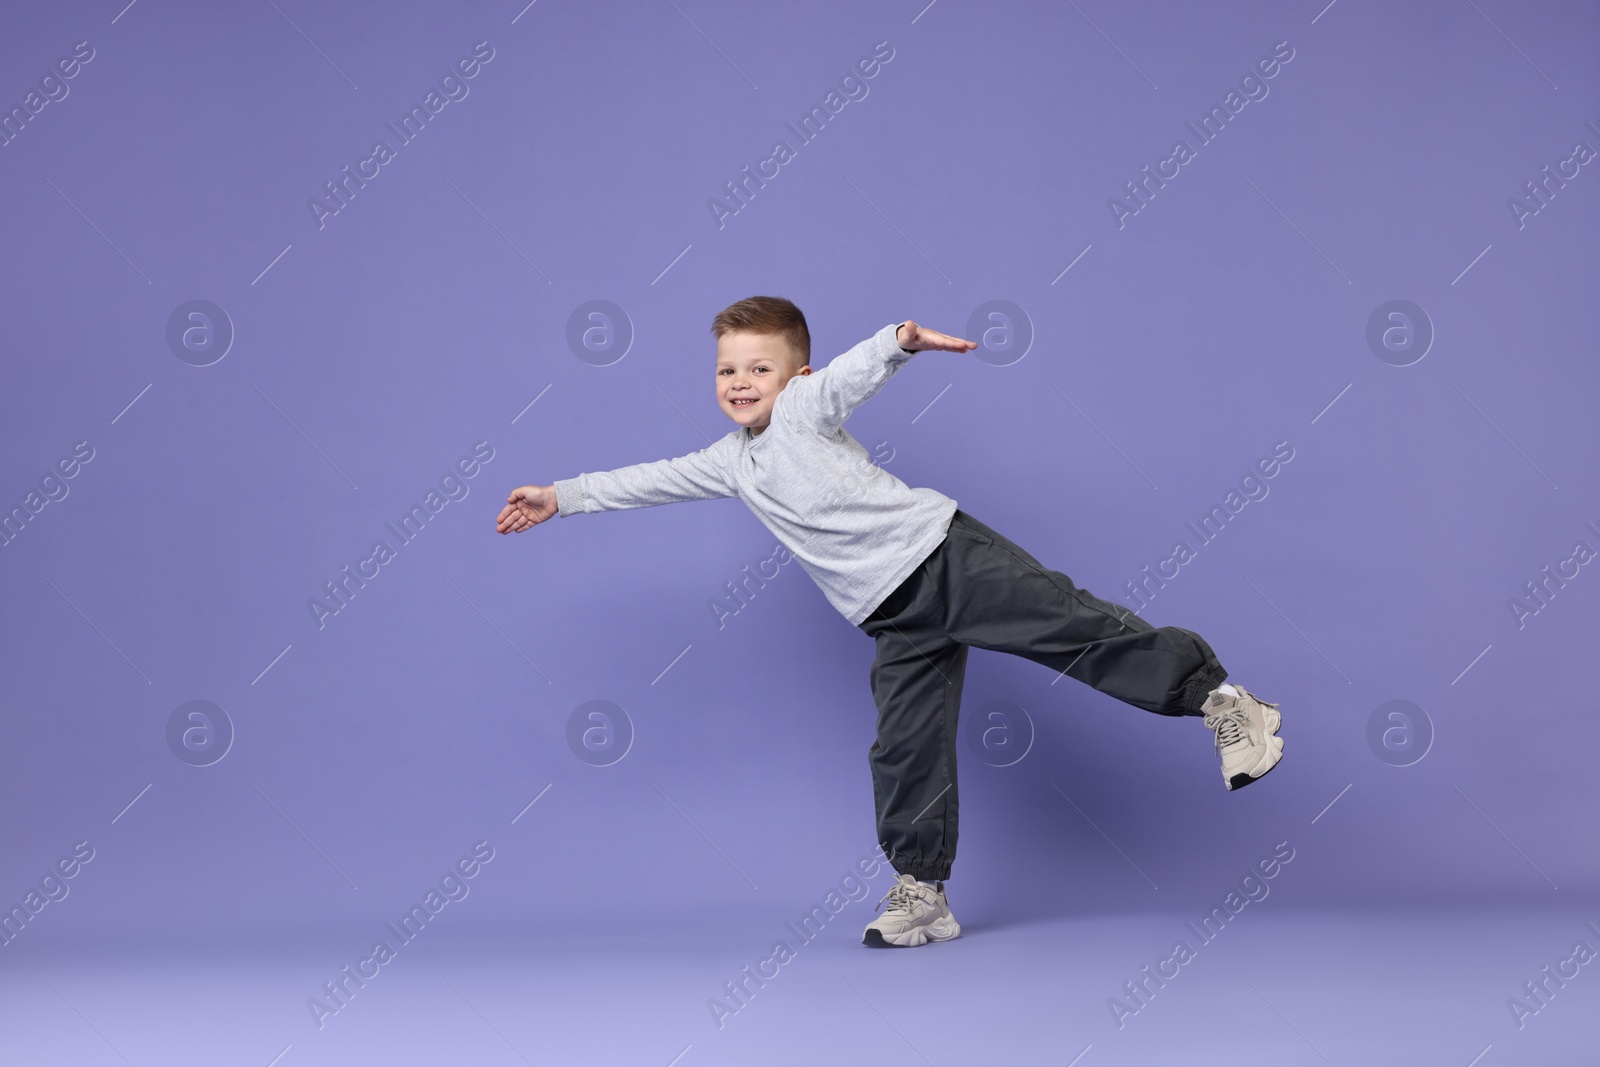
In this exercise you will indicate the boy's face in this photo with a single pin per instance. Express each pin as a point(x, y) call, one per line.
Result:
point(752, 369)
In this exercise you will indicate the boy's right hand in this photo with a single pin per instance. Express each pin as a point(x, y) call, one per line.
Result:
point(526, 507)
point(913, 338)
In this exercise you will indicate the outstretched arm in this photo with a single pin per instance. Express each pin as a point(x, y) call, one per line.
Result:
point(827, 397)
point(701, 475)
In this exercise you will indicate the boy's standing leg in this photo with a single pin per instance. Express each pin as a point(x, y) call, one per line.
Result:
point(917, 676)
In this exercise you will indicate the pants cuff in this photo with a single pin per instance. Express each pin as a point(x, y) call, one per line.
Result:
point(1199, 687)
point(927, 874)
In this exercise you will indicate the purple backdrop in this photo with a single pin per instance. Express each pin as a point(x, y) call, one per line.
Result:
point(243, 343)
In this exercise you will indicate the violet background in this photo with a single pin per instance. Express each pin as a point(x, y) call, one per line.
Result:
point(432, 312)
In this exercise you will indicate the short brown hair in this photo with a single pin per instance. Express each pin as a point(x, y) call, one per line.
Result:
point(767, 315)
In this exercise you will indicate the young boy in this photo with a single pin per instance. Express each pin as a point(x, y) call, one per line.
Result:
point(921, 577)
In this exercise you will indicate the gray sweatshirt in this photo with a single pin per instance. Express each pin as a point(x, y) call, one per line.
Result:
point(856, 529)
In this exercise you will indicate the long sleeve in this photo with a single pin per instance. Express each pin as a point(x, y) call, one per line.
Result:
point(825, 398)
point(702, 475)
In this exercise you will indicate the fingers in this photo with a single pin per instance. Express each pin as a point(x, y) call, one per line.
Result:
point(953, 344)
point(923, 339)
point(517, 520)
point(512, 518)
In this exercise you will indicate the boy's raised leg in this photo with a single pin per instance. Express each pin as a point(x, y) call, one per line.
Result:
point(999, 597)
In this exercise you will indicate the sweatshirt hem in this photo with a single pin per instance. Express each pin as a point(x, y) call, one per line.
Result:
point(924, 549)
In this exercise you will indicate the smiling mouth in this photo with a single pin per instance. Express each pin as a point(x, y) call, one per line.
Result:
point(741, 403)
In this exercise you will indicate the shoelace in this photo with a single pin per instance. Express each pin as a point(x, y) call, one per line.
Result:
point(1229, 723)
point(1229, 726)
point(899, 897)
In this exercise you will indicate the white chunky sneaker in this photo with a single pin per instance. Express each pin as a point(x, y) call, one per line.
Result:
point(916, 915)
point(1246, 730)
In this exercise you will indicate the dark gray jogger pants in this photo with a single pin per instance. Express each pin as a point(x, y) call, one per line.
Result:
point(978, 589)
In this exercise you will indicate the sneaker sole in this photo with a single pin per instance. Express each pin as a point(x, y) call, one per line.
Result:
point(940, 930)
point(1272, 757)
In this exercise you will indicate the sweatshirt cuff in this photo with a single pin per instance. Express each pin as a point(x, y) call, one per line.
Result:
point(570, 498)
point(889, 338)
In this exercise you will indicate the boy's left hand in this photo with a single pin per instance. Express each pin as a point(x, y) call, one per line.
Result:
point(914, 338)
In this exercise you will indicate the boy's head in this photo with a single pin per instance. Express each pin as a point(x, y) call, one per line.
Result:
point(762, 342)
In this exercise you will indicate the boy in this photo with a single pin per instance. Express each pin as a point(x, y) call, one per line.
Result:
point(921, 577)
